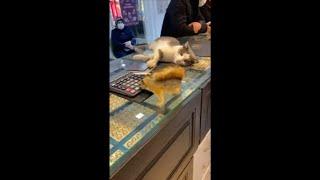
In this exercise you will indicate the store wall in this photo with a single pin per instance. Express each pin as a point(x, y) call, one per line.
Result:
point(111, 24)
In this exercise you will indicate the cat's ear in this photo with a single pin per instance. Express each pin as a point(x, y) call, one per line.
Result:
point(186, 45)
point(190, 51)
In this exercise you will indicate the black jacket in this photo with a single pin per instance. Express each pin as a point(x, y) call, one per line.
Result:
point(179, 14)
point(206, 12)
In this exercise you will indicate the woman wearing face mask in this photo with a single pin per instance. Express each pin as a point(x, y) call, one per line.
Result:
point(123, 40)
point(183, 18)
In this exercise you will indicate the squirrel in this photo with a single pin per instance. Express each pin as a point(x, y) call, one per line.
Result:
point(164, 81)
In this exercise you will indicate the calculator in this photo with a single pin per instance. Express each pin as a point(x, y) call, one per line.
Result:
point(128, 84)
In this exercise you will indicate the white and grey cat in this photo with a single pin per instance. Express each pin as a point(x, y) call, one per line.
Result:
point(168, 49)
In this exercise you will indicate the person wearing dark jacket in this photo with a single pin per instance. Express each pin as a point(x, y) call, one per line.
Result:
point(206, 10)
point(122, 39)
point(183, 18)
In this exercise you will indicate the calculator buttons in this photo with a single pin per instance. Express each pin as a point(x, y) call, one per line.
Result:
point(127, 84)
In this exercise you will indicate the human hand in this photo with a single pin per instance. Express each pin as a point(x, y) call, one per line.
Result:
point(127, 44)
point(196, 26)
point(131, 47)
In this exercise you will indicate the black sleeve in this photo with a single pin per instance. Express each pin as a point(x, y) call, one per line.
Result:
point(115, 40)
point(202, 21)
point(203, 27)
point(131, 33)
point(201, 15)
point(205, 12)
point(178, 19)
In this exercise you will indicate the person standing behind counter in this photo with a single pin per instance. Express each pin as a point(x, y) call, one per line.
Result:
point(183, 18)
point(206, 10)
point(122, 39)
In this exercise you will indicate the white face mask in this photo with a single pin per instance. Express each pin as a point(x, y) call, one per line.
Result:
point(120, 26)
point(202, 2)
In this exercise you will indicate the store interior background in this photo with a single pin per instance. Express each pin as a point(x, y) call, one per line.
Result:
point(151, 15)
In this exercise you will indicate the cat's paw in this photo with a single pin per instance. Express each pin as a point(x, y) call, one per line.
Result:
point(176, 93)
point(151, 64)
point(180, 62)
point(196, 61)
point(162, 110)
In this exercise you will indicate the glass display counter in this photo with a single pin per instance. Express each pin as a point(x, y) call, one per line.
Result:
point(133, 124)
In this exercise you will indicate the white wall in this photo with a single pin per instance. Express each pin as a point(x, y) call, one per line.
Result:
point(152, 18)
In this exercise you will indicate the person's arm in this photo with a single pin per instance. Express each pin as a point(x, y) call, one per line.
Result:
point(178, 19)
point(132, 36)
point(205, 12)
point(202, 14)
point(115, 40)
point(202, 21)
point(203, 27)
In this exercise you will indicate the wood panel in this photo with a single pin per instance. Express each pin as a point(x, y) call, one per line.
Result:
point(205, 122)
point(169, 161)
point(187, 173)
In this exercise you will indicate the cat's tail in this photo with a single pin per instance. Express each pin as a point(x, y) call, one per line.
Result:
point(141, 57)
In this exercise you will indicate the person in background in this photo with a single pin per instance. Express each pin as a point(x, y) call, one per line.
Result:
point(122, 39)
point(206, 10)
point(183, 18)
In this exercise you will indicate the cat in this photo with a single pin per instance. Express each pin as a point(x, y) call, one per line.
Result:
point(164, 81)
point(168, 49)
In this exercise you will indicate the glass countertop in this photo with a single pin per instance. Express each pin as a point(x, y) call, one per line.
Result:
point(132, 124)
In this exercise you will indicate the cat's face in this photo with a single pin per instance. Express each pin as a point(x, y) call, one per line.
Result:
point(185, 56)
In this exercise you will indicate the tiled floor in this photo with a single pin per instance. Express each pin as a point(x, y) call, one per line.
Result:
point(202, 160)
